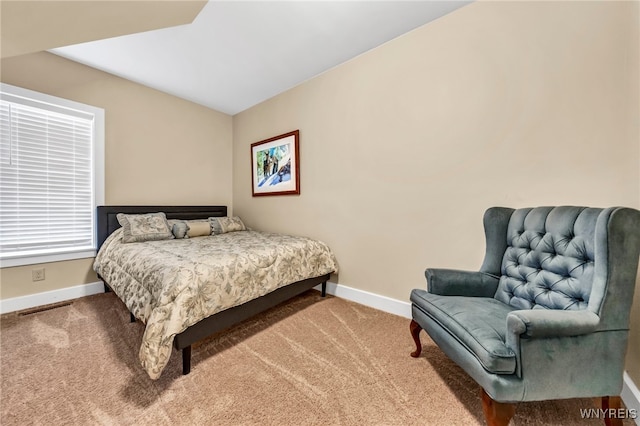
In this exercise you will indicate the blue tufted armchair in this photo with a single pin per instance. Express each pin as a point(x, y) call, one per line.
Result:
point(547, 315)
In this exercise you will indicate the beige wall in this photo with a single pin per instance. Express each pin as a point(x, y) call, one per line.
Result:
point(403, 148)
point(28, 27)
point(158, 150)
point(633, 354)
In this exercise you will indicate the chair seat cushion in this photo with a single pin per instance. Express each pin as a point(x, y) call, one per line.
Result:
point(478, 323)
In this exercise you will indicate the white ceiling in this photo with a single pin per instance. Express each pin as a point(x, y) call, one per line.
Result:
point(237, 54)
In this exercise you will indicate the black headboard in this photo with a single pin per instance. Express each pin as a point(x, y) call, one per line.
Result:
point(107, 221)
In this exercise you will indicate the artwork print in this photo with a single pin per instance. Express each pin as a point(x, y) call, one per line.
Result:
point(275, 165)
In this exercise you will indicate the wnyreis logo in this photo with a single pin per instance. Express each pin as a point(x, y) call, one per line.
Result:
point(611, 413)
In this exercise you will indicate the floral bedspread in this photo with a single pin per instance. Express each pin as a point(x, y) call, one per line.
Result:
point(172, 284)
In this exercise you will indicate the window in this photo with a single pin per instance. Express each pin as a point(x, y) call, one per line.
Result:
point(51, 177)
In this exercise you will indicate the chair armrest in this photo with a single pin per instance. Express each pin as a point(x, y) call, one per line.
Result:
point(452, 282)
point(551, 323)
point(527, 329)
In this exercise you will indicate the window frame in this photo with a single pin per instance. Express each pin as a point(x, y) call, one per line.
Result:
point(57, 104)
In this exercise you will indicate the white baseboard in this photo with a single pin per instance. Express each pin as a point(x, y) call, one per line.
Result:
point(48, 297)
point(631, 396)
point(372, 300)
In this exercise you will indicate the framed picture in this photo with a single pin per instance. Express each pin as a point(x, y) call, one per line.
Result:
point(275, 165)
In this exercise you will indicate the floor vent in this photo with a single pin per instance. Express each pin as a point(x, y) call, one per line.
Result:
point(43, 308)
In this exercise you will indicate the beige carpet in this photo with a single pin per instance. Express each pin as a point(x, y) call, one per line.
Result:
point(312, 361)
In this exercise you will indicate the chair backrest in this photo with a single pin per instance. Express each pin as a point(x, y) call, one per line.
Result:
point(570, 258)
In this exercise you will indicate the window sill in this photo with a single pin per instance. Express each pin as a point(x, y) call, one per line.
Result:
point(46, 258)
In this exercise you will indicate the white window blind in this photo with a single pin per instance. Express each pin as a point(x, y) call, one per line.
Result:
point(47, 178)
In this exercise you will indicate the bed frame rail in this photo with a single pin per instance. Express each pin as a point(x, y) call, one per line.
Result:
point(232, 316)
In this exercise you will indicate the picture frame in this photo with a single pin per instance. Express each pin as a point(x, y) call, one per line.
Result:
point(275, 165)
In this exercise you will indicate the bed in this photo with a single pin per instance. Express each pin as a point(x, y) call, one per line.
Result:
point(182, 295)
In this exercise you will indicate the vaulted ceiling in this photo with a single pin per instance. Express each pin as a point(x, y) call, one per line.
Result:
point(226, 55)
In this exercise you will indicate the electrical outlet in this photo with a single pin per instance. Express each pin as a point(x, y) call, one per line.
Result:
point(37, 274)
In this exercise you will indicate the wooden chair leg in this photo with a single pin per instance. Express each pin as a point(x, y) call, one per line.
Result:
point(415, 329)
point(611, 403)
point(496, 413)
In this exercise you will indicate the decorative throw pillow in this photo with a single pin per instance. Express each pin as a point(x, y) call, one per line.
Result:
point(221, 225)
point(144, 227)
point(198, 229)
point(179, 229)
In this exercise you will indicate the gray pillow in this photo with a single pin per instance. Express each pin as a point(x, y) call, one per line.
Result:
point(180, 229)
